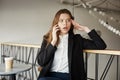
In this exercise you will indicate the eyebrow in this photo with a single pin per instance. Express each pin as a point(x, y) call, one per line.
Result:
point(65, 19)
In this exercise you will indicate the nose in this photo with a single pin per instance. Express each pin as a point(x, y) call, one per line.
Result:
point(65, 22)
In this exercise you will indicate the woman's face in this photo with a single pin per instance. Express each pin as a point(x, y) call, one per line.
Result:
point(64, 23)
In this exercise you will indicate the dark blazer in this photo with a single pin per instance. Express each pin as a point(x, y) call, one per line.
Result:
point(76, 45)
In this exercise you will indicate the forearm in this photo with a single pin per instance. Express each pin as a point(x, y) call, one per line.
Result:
point(98, 41)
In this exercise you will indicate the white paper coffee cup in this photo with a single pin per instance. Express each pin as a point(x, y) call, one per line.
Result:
point(8, 63)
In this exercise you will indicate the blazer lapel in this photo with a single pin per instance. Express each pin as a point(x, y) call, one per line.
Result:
point(70, 48)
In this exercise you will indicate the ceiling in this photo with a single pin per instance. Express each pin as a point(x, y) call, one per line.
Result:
point(111, 5)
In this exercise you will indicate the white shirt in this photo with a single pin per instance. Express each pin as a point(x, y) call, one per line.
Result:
point(60, 62)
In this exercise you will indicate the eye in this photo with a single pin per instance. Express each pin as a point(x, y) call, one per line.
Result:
point(68, 20)
point(61, 20)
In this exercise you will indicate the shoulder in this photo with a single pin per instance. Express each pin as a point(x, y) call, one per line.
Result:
point(44, 42)
point(92, 32)
point(77, 36)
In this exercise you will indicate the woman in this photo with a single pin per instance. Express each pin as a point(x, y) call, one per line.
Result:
point(61, 54)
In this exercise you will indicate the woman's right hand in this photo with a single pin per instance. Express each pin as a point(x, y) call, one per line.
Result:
point(54, 34)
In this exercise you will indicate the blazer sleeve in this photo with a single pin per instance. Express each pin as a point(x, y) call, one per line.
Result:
point(46, 53)
point(96, 41)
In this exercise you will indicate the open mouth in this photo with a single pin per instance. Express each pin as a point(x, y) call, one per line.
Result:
point(65, 28)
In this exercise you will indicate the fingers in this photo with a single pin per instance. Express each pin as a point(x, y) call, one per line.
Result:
point(80, 27)
point(76, 25)
point(73, 22)
point(56, 28)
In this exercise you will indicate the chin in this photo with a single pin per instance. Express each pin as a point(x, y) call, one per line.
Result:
point(65, 32)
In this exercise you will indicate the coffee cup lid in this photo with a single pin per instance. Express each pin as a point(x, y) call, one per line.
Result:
point(8, 58)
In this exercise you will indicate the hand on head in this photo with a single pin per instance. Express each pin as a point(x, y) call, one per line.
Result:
point(80, 27)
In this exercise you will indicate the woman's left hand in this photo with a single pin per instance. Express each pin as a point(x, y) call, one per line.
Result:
point(80, 27)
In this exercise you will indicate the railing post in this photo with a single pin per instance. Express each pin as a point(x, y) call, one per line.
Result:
point(96, 66)
point(1, 54)
point(117, 76)
point(32, 63)
point(86, 63)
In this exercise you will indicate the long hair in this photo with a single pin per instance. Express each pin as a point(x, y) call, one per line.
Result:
point(48, 36)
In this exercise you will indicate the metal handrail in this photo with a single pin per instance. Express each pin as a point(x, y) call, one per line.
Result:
point(106, 51)
point(21, 44)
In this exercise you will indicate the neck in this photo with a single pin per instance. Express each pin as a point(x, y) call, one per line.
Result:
point(62, 34)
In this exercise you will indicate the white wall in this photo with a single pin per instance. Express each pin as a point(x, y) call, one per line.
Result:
point(26, 21)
